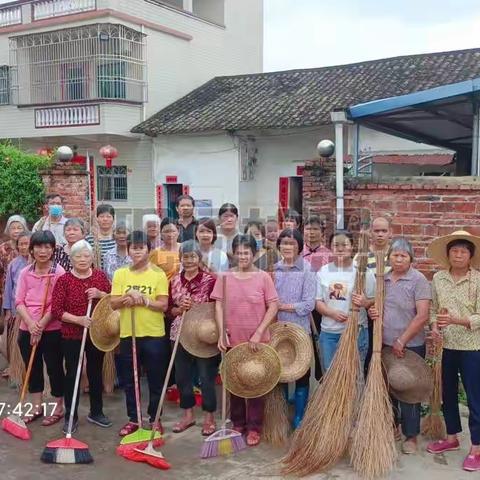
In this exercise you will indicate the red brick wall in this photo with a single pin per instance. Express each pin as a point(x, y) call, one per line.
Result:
point(421, 208)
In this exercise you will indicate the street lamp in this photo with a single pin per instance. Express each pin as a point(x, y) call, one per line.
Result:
point(64, 153)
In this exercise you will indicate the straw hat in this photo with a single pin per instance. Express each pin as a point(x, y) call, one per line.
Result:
point(409, 378)
point(249, 374)
point(437, 250)
point(294, 348)
point(199, 332)
point(105, 326)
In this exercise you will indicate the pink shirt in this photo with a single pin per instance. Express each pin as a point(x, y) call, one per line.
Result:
point(31, 293)
point(317, 257)
point(247, 300)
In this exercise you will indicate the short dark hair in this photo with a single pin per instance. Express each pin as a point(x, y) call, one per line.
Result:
point(105, 208)
point(314, 220)
point(255, 223)
point(190, 246)
point(184, 197)
point(23, 234)
point(291, 233)
point(345, 233)
point(138, 237)
point(228, 207)
point(246, 241)
point(293, 215)
point(43, 237)
point(51, 196)
point(460, 242)
point(210, 224)
point(167, 221)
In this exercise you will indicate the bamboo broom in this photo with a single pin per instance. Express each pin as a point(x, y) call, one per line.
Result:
point(322, 438)
point(373, 452)
point(276, 426)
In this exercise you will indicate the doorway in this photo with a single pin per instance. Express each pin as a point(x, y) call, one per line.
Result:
point(172, 192)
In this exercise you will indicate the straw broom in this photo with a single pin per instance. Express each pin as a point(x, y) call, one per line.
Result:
point(322, 438)
point(109, 373)
point(16, 367)
point(373, 451)
point(276, 427)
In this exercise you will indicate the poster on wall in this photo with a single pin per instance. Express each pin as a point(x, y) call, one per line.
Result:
point(204, 208)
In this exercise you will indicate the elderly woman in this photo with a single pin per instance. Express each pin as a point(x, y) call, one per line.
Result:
point(405, 313)
point(252, 304)
point(166, 257)
point(190, 287)
point(213, 259)
point(33, 301)
point(71, 295)
point(73, 231)
point(117, 257)
point(295, 284)
point(151, 226)
point(455, 315)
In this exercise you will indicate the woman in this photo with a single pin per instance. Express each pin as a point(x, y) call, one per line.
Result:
point(33, 301)
point(166, 257)
point(251, 305)
point(117, 257)
point(227, 229)
point(295, 284)
point(144, 287)
point(455, 315)
point(271, 233)
point(405, 312)
point(213, 259)
point(71, 295)
point(73, 231)
point(335, 293)
point(190, 287)
point(101, 239)
point(151, 226)
point(292, 219)
point(265, 258)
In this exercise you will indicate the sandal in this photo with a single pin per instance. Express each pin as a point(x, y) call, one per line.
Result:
point(128, 428)
point(181, 426)
point(52, 419)
point(253, 438)
point(209, 428)
point(31, 418)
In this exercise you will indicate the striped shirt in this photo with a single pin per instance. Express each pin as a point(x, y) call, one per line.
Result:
point(105, 244)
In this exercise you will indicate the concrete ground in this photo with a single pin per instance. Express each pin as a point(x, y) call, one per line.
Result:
point(19, 460)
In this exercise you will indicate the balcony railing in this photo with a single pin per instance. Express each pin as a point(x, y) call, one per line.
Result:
point(10, 16)
point(55, 8)
point(68, 116)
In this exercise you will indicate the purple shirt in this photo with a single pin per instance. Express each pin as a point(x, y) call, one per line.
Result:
point(296, 286)
point(13, 272)
point(400, 305)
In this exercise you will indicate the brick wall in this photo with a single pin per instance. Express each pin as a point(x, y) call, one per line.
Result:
point(421, 208)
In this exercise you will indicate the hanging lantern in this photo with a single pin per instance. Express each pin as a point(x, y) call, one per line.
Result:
point(108, 153)
point(44, 151)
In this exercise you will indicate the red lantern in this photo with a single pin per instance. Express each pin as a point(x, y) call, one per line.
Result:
point(108, 153)
point(44, 151)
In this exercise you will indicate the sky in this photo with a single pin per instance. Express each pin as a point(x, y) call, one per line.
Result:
point(316, 33)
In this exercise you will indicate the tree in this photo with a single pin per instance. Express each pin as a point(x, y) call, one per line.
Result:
point(21, 187)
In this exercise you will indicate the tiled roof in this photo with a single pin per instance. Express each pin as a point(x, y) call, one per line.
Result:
point(303, 98)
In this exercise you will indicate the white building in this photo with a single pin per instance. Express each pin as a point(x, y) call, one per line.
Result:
point(84, 72)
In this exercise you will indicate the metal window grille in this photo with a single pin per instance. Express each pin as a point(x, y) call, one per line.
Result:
point(4, 85)
point(112, 183)
point(92, 62)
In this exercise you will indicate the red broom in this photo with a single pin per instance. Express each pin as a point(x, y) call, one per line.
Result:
point(69, 450)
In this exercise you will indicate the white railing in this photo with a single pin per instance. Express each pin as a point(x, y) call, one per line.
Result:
point(67, 116)
point(10, 16)
point(56, 8)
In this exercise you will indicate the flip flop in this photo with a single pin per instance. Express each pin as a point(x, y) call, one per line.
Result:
point(181, 427)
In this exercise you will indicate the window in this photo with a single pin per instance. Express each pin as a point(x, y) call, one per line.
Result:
point(111, 183)
point(4, 85)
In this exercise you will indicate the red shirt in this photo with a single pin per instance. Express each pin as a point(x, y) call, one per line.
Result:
point(69, 296)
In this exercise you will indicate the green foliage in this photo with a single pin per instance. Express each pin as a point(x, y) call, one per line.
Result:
point(21, 187)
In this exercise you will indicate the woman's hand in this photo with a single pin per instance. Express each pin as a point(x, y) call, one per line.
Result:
point(444, 320)
point(93, 293)
point(84, 321)
point(37, 329)
point(185, 304)
point(137, 297)
point(35, 339)
point(398, 348)
point(359, 300)
point(31, 325)
point(255, 339)
point(373, 313)
point(128, 301)
point(339, 316)
point(223, 342)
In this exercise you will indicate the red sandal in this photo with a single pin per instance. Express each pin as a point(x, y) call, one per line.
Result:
point(253, 438)
point(128, 428)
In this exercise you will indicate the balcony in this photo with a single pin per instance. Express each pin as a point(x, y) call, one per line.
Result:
point(67, 116)
point(10, 15)
point(56, 8)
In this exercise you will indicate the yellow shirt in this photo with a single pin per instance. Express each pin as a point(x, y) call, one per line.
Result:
point(167, 260)
point(152, 283)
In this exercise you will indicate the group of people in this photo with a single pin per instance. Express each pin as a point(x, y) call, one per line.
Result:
point(284, 271)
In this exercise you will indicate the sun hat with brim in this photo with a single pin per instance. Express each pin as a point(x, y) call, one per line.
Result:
point(249, 374)
point(437, 250)
point(199, 335)
point(409, 378)
point(105, 326)
point(294, 348)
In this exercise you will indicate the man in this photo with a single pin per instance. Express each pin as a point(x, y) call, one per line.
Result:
point(187, 225)
point(380, 234)
point(101, 239)
point(314, 250)
point(54, 221)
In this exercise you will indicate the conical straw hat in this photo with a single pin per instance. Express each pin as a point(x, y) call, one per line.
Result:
point(105, 327)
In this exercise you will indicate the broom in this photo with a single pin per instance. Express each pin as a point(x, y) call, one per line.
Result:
point(13, 424)
point(67, 449)
point(276, 427)
point(140, 436)
point(322, 438)
point(16, 367)
point(108, 372)
point(148, 454)
point(224, 441)
point(373, 451)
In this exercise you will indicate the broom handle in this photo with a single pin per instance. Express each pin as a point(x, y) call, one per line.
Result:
point(224, 389)
point(34, 347)
point(167, 377)
point(77, 377)
point(135, 369)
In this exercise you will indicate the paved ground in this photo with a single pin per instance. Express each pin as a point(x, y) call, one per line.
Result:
point(19, 460)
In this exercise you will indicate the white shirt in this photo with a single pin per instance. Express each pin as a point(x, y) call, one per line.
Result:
point(55, 228)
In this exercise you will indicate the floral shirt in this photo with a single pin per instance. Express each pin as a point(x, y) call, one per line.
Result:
point(199, 288)
point(462, 299)
point(113, 261)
